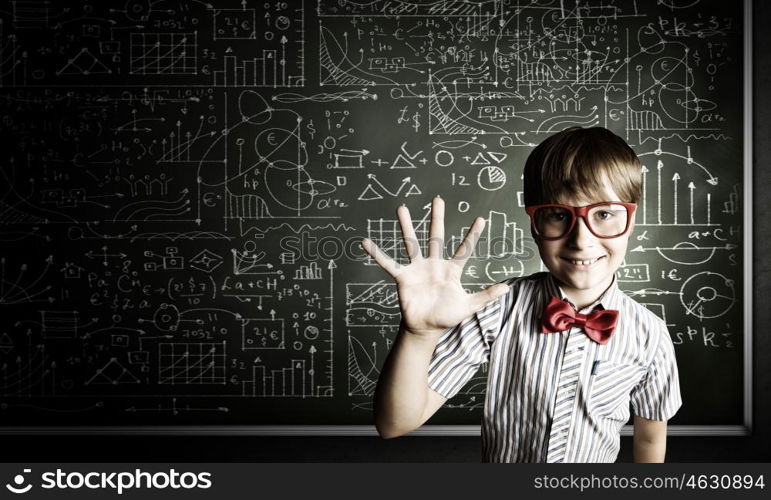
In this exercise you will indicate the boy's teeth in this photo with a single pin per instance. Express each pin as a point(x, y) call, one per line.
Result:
point(584, 262)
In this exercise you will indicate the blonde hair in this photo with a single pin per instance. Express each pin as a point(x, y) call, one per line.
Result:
point(576, 161)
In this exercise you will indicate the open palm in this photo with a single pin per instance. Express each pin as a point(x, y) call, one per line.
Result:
point(431, 296)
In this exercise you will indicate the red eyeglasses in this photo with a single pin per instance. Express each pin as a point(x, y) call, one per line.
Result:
point(607, 219)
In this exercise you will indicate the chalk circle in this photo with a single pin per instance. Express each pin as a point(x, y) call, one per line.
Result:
point(447, 158)
point(491, 178)
point(137, 9)
point(707, 295)
point(166, 317)
point(283, 23)
point(311, 332)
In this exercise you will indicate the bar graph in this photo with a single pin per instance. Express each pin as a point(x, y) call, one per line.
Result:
point(289, 381)
point(267, 70)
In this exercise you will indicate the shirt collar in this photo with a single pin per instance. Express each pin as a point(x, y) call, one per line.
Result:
point(610, 299)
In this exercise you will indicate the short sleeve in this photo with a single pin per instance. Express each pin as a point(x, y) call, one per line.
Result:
point(462, 348)
point(657, 396)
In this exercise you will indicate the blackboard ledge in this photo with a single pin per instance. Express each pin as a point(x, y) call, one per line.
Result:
point(327, 430)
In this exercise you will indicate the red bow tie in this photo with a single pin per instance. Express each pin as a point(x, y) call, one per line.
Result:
point(559, 315)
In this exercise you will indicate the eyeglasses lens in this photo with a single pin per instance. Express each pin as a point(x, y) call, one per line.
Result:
point(604, 220)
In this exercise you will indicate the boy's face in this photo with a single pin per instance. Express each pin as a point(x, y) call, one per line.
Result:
point(584, 284)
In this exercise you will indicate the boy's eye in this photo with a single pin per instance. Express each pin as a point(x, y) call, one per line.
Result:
point(557, 215)
point(605, 215)
point(609, 212)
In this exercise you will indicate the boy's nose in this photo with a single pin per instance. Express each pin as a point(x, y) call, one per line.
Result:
point(580, 235)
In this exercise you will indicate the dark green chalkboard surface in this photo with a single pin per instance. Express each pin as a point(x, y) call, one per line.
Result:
point(184, 186)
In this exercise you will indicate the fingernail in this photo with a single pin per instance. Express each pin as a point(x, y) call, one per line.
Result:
point(404, 204)
point(438, 196)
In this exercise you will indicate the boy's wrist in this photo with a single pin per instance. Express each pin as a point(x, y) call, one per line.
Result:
point(429, 335)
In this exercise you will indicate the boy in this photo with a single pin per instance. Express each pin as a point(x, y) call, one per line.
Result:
point(568, 351)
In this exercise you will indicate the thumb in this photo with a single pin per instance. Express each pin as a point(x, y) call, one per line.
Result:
point(480, 299)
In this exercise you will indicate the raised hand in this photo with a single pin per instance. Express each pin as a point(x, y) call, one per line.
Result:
point(431, 297)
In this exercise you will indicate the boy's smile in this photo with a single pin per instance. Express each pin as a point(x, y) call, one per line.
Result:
point(583, 264)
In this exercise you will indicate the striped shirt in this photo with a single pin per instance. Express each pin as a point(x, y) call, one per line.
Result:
point(558, 397)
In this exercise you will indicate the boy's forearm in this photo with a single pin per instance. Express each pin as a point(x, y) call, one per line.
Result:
point(649, 451)
point(402, 389)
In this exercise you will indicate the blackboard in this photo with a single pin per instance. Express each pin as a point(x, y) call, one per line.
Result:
point(184, 186)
